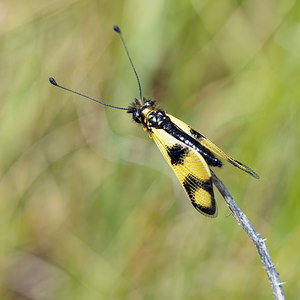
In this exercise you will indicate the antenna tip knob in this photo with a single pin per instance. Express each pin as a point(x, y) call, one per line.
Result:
point(52, 81)
point(117, 29)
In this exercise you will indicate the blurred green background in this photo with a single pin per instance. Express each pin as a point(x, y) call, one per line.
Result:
point(88, 207)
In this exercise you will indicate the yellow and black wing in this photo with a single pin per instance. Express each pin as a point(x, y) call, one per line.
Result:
point(191, 170)
point(211, 146)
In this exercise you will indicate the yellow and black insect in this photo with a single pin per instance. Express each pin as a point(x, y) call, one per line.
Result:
point(188, 152)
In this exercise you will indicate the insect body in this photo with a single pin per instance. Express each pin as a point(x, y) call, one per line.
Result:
point(188, 152)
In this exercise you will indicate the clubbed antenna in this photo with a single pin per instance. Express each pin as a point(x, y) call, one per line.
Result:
point(118, 30)
point(52, 81)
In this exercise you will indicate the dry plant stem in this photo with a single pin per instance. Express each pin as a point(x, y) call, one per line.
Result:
point(255, 237)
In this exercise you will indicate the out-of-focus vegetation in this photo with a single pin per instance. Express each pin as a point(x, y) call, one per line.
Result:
point(88, 207)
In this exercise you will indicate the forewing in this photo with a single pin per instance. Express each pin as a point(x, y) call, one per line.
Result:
point(211, 146)
point(191, 170)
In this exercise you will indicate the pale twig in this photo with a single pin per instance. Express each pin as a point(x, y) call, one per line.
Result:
point(259, 243)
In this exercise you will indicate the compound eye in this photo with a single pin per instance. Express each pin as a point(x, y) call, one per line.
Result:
point(149, 103)
point(137, 116)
